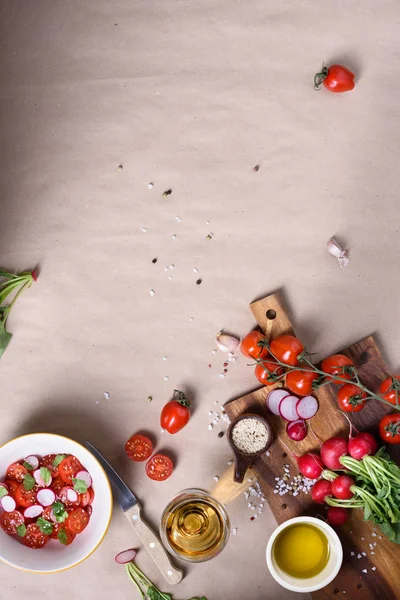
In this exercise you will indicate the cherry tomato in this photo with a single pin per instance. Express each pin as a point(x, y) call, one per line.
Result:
point(249, 345)
point(47, 461)
point(159, 467)
point(46, 514)
point(287, 349)
point(175, 414)
point(351, 398)
point(84, 499)
point(388, 389)
point(9, 521)
point(91, 492)
point(12, 486)
point(34, 538)
point(300, 382)
point(389, 428)
point(62, 534)
point(16, 471)
point(338, 365)
point(25, 498)
point(57, 484)
point(269, 376)
point(336, 78)
point(68, 468)
point(77, 520)
point(139, 448)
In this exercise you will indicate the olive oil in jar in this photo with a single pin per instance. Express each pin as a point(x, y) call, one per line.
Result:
point(195, 529)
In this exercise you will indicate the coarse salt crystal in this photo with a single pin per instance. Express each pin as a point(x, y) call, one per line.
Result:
point(166, 377)
point(151, 292)
point(178, 219)
point(234, 531)
point(210, 413)
point(230, 462)
point(144, 229)
point(214, 352)
point(174, 236)
point(373, 568)
point(164, 357)
point(352, 553)
point(358, 556)
point(107, 395)
point(363, 539)
point(373, 534)
point(372, 553)
point(150, 185)
point(216, 478)
point(221, 375)
point(374, 543)
point(364, 553)
point(210, 427)
point(195, 270)
point(365, 570)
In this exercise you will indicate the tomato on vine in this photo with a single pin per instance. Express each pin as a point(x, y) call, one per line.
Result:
point(336, 79)
point(389, 428)
point(250, 348)
point(287, 349)
point(351, 398)
point(338, 365)
point(268, 372)
point(301, 382)
point(390, 390)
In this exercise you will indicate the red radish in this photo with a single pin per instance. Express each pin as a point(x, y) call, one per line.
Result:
point(71, 494)
point(321, 489)
point(287, 408)
point(341, 487)
point(53, 517)
point(84, 476)
point(39, 479)
point(307, 407)
point(362, 444)
point(274, 398)
point(8, 504)
point(33, 461)
point(33, 511)
point(125, 557)
point(46, 497)
point(332, 450)
point(337, 515)
point(296, 430)
point(310, 465)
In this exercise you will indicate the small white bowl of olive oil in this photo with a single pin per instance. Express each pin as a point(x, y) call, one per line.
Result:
point(304, 554)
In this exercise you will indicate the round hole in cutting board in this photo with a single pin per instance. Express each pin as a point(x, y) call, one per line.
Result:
point(270, 314)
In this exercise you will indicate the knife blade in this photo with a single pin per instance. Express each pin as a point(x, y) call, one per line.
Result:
point(132, 510)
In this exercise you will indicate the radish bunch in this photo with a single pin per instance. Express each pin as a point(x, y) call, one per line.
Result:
point(293, 409)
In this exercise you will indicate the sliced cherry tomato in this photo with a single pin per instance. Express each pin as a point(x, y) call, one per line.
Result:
point(84, 499)
point(68, 468)
point(56, 526)
point(139, 447)
point(16, 471)
point(12, 486)
point(62, 534)
point(338, 365)
point(287, 349)
point(336, 78)
point(390, 389)
point(301, 382)
point(34, 538)
point(249, 345)
point(91, 492)
point(351, 398)
point(159, 467)
point(25, 498)
point(47, 461)
point(271, 375)
point(46, 514)
point(389, 428)
point(9, 521)
point(57, 484)
point(175, 414)
point(77, 520)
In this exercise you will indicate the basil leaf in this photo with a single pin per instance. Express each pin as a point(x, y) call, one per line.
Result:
point(45, 475)
point(59, 512)
point(45, 526)
point(3, 491)
point(62, 537)
point(58, 459)
point(29, 482)
point(80, 486)
point(21, 530)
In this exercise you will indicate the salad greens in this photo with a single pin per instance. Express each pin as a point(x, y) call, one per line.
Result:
point(146, 588)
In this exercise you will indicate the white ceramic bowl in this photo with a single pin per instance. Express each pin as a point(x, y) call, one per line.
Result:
point(313, 583)
point(54, 556)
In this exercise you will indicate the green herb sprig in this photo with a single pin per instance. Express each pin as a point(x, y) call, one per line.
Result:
point(146, 588)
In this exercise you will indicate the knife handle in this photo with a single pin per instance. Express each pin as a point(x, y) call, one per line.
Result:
point(153, 545)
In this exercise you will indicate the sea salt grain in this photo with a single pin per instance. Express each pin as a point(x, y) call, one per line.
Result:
point(144, 229)
point(151, 292)
point(216, 478)
point(234, 531)
point(107, 395)
point(373, 568)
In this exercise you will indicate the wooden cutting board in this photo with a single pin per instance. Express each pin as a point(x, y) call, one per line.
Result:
point(351, 583)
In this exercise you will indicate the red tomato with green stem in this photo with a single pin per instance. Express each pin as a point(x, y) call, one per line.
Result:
point(389, 428)
point(301, 382)
point(335, 78)
point(351, 398)
point(175, 414)
point(287, 349)
point(250, 348)
point(338, 365)
point(390, 390)
point(268, 372)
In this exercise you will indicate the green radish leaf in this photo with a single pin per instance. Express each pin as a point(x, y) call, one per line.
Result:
point(387, 530)
point(21, 530)
point(45, 526)
point(29, 482)
point(45, 475)
point(62, 537)
point(58, 459)
point(59, 512)
point(155, 594)
point(79, 485)
point(5, 338)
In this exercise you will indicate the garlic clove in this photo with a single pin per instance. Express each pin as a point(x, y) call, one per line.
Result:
point(226, 342)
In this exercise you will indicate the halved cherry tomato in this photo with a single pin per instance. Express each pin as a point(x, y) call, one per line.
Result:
point(84, 499)
point(336, 78)
point(16, 471)
point(351, 398)
point(77, 520)
point(25, 498)
point(60, 532)
point(68, 468)
point(46, 514)
point(249, 345)
point(300, 382)
point(12, 486)
point(139, 447)
point(389, 428)
point(34, 538)
point(159, 467)
point(9, 521)
point(47, 461)
point(91, 492)
point(390, 389)
point(287, 349)
point(270, 375)
point(338, 365)
point(57, 484)
point(175, 414)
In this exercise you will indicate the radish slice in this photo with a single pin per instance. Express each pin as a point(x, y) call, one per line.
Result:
point(287, 408)
point(33, 461)
point(307, 407)
point(39, 479)
point(53, 516)
point(125, 557)
point(84, 475)
point(297, 430)
point(46, 497)
point(33, 511)
point(71, 494)
point(8, 504)
point(274, 398)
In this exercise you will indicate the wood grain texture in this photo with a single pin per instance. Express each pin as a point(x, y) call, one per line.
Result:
point(356, 535)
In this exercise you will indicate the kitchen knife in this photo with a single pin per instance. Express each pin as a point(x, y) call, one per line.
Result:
point(132, 509)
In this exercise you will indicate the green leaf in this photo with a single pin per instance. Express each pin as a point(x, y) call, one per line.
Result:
point(80, 486)
point(5, 338)
point(21, 530)
point(387, 530)
point(62, 536)
point(45, 526)
point(155, 594)
point(3, 491)
point(197, 598)
point(29, 482)
point(45, 475)
point(28, 466)
point(58, 459)
point(59, 512)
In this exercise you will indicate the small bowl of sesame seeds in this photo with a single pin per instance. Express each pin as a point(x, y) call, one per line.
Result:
point(250, 435)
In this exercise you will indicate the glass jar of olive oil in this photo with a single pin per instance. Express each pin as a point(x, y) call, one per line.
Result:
point(194, 526)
